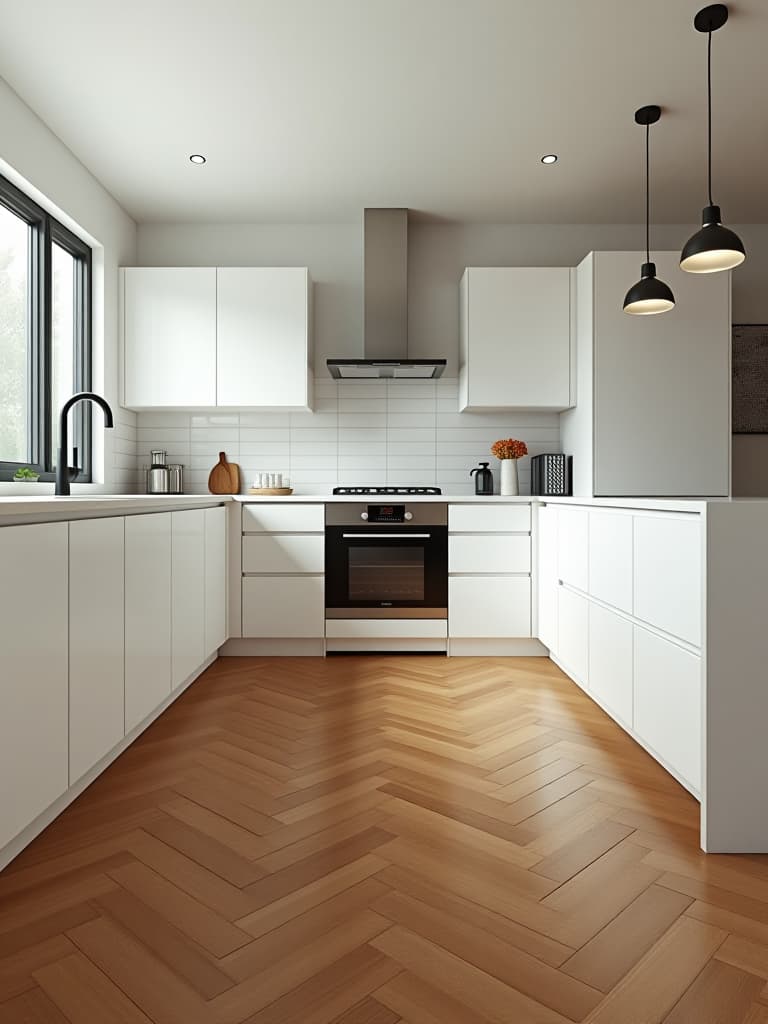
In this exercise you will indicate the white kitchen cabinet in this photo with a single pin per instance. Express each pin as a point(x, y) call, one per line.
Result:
point(667, 703)
point(489, 518)
point(515, 338)
point(147, 615)
point(610, 558)
point(611, 662)
point(187, 593)
point(546, 576)
point(573, 546)
point(573, 634)
point(215, 579)
point(643, 425)
point(284, 552)
point(283, 606)
point(489, 606)
point(33, 681)
point(477, 553)
point(169, 337)
point(263, 347)
point(96, 641)
point(668, 577)
point(275, 518)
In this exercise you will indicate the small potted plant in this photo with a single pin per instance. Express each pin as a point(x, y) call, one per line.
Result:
point(508, 451)
point(25, 475)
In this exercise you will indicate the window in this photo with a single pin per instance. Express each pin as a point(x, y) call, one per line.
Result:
point(45, 336)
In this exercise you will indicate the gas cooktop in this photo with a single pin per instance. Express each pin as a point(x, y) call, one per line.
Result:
point(387, 490)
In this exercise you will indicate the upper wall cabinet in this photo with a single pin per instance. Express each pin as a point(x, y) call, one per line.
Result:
point(263, 318)
point(515, 338)
point(169, 336)
point(201, 337)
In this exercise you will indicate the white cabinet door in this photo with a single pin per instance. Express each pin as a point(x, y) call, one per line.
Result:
point(263, 336)
point(147, 615)
point(284, 552)
point(667, 703)
point(34, 768)
point(489, 606)
point(668, 577)
point(215, 579)
point(188, 593)
point(610, 662)
point(283, 606)
point(546, 576)
point(573, 546)
point(610, 558)
point(573, 634)
point(515, 338)
point(495, 554)
point(489, 518)
point(169, 336)
point(273, 518)
point(96, 641)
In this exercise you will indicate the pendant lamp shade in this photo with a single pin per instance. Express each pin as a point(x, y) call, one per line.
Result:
point(649, 295)
point(713, 247)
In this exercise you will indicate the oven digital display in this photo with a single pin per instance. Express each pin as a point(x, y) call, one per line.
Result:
point(386, 513)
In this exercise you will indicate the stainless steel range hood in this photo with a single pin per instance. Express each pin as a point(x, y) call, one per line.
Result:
point(385, 305)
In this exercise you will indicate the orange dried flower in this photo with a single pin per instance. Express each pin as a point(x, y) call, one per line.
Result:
point(509, 449)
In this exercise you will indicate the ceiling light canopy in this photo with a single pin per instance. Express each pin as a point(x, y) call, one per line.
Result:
point(713, 247)
point(549, 158)
point(197, 158)
point(649, 295)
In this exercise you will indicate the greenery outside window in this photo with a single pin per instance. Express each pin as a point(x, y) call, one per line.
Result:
point(45, 336)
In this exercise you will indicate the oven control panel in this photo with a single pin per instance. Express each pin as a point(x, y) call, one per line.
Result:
point(386, 514)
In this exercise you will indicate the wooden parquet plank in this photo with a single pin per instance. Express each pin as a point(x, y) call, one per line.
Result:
point(744, 954)
point(579, 853)
point(368, 1011)
point(420, 1003)
point(721, 994)
point(85, 995)
point(31, 1007)
point(17, 969)
point(208, 852)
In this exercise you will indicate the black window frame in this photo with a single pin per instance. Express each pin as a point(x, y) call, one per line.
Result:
point(44, 231)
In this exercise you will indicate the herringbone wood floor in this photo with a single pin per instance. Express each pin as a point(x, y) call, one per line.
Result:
point(370, 840)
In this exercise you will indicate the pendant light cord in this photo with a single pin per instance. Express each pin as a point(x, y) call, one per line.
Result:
point(709, 116)
point(647, 193)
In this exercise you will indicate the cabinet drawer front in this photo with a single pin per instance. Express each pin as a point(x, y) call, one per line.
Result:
point(283, 606)
point(668, 589)
point(573, 634)
point(283, 518)
point(489, 518)
point(283, 553)
point(489, 554)
point(489, 606)
point(610, 661)
point(667, 703)
point(610, 558)
point(394, 629)
point(573, 546)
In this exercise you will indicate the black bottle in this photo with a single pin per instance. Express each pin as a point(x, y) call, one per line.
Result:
point(484, 479)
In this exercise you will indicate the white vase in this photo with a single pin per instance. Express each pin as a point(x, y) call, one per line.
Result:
point(509, 484)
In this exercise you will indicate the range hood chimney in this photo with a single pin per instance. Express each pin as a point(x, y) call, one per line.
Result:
point(385, 305)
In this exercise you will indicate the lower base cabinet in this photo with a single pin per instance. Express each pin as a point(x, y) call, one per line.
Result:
point(96, 641)
point(147, 615)
point(34, 706)
point(667, 703)
point(489, 606)
point(215, 579)
point(610, 662)
point(283, 606)
point(188, 593)
point(573, 634)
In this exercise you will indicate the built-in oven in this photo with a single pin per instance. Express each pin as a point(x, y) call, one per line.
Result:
point(386, 561)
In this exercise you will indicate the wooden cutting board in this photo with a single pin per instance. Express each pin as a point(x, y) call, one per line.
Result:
point(224, 478)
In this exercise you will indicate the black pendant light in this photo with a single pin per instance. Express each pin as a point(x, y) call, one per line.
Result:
point(649, 295)
point(714, 247)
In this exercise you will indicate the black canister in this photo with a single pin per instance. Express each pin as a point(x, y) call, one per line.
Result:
point(484, 478)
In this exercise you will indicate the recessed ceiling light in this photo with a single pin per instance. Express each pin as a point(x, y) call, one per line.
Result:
point(549, 158)
point(198, 158)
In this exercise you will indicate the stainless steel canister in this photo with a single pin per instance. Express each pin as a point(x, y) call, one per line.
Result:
point(158, 477)
point(176, 478)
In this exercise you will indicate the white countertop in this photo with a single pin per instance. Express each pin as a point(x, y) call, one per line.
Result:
point(50, 508)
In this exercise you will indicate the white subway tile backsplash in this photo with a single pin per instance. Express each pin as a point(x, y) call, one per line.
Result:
point(373, 432)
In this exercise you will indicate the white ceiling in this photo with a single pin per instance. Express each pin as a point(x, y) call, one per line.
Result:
point(308, 110)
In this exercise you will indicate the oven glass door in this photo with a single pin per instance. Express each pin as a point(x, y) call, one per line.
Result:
point(385, 567)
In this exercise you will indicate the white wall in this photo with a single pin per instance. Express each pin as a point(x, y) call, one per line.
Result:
point(41, 165)
point(438, 254)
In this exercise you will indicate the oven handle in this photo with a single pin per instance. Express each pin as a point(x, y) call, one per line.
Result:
point(386, 536)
